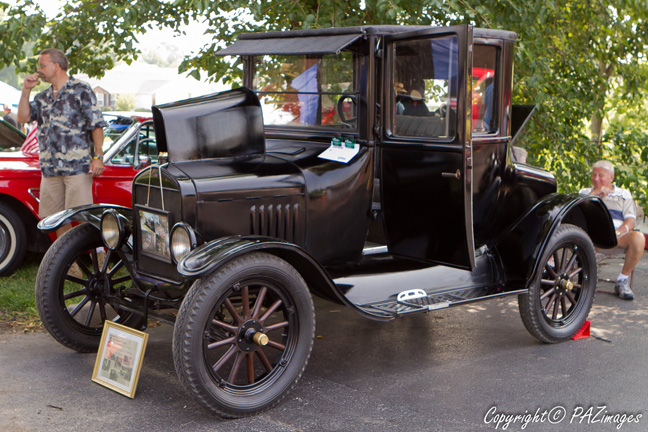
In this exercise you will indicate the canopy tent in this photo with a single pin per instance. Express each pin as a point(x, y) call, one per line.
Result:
point(9, 95)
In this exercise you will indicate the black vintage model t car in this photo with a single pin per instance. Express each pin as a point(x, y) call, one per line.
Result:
point(370, 166)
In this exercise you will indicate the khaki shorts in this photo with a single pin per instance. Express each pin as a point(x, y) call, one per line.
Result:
point(62, 192)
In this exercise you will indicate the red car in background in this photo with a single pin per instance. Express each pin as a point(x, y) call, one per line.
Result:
point(482, 78)
point(128, 147)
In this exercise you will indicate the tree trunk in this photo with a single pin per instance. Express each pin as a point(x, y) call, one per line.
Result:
point(597, 129)
point(597, 120)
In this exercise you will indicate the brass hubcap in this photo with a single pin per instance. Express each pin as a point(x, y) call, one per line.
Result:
point(567, 285)
point(251, 336)
point(260, 339)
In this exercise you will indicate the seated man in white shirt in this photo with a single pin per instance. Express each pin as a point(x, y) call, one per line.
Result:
point(623, 211)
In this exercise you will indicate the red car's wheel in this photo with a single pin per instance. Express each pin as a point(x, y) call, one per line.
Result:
point(13, 240)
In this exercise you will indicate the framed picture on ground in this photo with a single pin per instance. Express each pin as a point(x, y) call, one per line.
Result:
point(119, 359)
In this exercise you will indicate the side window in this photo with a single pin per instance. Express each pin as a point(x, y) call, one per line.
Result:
point(425, 87)
point(307, 91)
point(147, 152)
point(484, 81)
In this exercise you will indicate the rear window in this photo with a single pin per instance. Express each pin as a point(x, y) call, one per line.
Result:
point(484, 80)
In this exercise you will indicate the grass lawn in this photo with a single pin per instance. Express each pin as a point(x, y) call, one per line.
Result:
point(17, 304)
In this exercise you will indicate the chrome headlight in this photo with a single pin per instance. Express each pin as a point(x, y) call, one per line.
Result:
point(183, 241)
point(114, 229)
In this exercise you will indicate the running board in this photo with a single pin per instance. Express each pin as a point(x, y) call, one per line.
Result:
point(417, 300)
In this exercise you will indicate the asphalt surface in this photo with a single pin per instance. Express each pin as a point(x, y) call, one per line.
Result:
point(458, 369)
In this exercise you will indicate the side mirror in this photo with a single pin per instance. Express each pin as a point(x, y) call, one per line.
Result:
point(143, 162)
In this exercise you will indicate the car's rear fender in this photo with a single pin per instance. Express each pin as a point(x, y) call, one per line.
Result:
point(210, 257)
point(521, 247)
point(90, 213)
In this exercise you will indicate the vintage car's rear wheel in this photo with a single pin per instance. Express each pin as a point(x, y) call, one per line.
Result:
point(71, 288)
point(13, 240)
point(561, 295)
point(243, 336)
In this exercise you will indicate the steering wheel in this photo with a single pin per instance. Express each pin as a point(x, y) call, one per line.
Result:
point(341, 108)
point(442, 111)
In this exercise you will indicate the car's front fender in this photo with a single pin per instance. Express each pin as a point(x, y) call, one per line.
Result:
point(90, 213)
point(521, 247)
point(210, 257)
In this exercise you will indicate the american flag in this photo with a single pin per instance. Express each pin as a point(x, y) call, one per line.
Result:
point(30, 146)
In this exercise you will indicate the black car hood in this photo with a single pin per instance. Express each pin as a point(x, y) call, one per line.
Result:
point(221, 125)
point(243, 178)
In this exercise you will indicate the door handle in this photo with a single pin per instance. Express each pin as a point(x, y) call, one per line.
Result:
point(456, 175)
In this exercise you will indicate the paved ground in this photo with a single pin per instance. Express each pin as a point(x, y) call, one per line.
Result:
point(452, 370)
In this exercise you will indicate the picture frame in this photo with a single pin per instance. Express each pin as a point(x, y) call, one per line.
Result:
point(154, 227)
point(119, 359)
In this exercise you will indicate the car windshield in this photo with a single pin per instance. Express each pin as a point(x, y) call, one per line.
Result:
point(139, 146)
point(10, 137)
point(306, 91)
point(117, 126)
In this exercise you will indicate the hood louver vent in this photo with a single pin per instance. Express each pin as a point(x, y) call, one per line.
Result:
point(279, 221)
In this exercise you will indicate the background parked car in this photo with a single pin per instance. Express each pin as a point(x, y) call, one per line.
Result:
point(129, 146)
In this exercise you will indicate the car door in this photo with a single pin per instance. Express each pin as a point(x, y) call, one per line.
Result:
point(426, 157)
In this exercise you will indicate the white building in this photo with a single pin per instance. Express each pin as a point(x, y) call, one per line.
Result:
point(147, 84)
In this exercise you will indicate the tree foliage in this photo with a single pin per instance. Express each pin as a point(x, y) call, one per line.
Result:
point(95, 34)
point(583, 62)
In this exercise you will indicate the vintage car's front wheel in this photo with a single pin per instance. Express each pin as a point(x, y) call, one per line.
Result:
point(72, 285)
point(243, 335)
point(561, 294)
point(13, 240)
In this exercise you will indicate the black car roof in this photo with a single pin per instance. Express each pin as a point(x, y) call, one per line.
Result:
point(328, 40)
point(379, 30)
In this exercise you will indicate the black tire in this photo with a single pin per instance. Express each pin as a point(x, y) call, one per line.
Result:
point(561, 294)
point(13, 240)
point(70, 294)
point(213, 349)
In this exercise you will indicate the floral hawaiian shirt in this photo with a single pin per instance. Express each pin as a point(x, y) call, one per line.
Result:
point(65, 125)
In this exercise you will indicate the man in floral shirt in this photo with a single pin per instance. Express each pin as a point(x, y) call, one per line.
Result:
point(70, 134)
